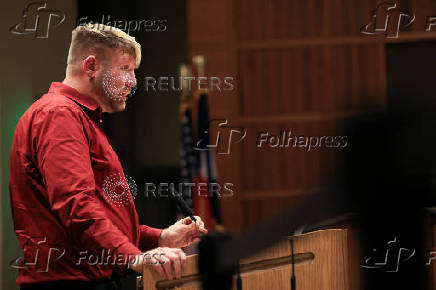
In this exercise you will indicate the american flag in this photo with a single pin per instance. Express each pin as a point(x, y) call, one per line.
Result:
point(188, 159)
point(198, 166)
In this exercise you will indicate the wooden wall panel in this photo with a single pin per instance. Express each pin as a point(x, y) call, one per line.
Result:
point(326, 78)
point(288, 19)
point(299, 65)
point(210, 22)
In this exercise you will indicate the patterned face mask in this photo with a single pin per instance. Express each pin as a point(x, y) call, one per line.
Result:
point(117, 83)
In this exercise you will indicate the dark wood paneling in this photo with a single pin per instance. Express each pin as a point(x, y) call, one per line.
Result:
point(299, 65)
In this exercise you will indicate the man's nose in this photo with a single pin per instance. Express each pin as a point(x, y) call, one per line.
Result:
point(131, 80)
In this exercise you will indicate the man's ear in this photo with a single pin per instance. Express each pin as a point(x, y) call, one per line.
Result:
point(89, 66)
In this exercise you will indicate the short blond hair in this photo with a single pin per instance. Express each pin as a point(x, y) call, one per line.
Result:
point(95, 38)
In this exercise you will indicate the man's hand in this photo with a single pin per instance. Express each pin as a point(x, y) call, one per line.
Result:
point(183, 233)
point(167, 262)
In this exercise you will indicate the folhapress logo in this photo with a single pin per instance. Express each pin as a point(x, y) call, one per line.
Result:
point(390, 259)
point(38, 19)
point(227, 131)
point(388, 19)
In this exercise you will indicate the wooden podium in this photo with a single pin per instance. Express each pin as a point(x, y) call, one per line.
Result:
point(324, 260)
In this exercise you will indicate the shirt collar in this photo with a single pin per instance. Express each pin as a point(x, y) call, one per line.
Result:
point(74, 95)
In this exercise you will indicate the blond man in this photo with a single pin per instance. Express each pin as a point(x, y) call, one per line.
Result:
point(75, 232)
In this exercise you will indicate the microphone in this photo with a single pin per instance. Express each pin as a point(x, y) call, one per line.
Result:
point(293, 283)
point(186, 210)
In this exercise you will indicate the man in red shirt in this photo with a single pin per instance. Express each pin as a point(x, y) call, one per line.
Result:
point(75, 231)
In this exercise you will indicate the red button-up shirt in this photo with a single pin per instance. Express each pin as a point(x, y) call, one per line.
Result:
point(73, 212)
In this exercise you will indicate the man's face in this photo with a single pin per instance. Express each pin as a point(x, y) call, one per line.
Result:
point(115, 81)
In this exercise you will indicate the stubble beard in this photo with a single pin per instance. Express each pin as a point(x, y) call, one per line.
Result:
point(110, 103)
